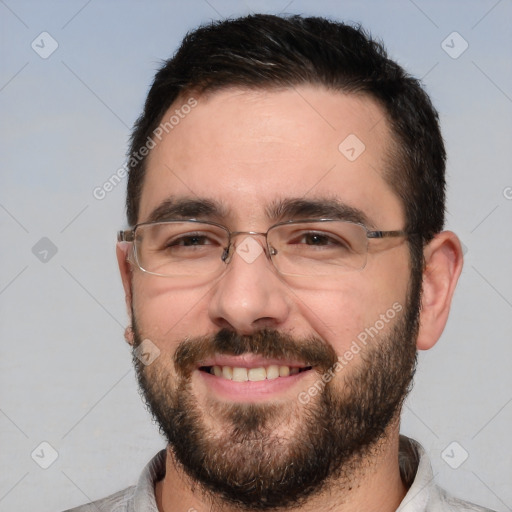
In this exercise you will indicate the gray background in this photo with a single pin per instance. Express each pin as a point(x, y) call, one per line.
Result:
point(65, 371)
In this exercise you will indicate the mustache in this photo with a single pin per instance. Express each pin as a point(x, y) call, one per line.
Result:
point(311, 350)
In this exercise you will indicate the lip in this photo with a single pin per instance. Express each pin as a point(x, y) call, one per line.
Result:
point(250, 391)
point(249, 361)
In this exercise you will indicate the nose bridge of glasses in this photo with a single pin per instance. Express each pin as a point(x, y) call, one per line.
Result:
point(246, 249)
point(233, 234)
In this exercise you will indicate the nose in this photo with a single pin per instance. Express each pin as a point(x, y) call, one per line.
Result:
point(250, 295)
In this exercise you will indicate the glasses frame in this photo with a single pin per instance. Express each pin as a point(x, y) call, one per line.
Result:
point(129, 235)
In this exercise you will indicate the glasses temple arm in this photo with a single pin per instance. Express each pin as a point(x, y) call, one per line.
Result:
point(386, 234)
point(126, 236)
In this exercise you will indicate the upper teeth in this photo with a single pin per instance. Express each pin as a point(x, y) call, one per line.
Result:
point(240, 374)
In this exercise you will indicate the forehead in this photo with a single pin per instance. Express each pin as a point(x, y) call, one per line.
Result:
point(249, 150)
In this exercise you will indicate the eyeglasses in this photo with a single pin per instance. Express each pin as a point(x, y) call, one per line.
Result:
point(318, 247)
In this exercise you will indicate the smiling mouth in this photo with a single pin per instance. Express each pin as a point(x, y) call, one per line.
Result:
point(254, 374)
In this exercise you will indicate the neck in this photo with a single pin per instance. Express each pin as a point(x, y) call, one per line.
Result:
point(375, 484)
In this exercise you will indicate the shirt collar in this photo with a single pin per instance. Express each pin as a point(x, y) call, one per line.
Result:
point(144, 494)
point(417, 474)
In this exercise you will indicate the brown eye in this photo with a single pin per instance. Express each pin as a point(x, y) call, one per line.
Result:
point(190, 240)
point(317, 239)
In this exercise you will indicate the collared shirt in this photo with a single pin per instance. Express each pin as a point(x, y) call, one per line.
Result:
point(423, 494)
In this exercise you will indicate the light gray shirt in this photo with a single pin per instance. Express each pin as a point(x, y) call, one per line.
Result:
point(423, 494)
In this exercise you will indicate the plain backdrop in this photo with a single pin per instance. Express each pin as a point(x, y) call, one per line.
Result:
point(66, 378)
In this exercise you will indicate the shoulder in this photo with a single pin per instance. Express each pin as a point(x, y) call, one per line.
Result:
point(121, 501)
point(136, 497)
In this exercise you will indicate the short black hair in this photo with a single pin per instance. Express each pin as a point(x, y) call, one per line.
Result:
point(268, 52)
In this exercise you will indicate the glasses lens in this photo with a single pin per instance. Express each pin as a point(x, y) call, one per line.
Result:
point(318, 248)
point(180, 248)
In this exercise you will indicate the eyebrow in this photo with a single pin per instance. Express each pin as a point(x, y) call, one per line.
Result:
point(187, 208)
point(278, 211)
point(322, 208)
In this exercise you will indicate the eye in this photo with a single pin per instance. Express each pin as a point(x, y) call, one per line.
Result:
point(317, 239)
point(190, 239)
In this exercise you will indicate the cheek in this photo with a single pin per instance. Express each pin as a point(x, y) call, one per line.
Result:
point(350, 309)
point(167, 313)
point(333, 314)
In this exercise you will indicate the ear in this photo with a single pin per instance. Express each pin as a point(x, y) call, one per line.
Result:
point(125, 268)
point(443, 265)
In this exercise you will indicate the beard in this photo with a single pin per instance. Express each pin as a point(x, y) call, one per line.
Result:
point(265, 456)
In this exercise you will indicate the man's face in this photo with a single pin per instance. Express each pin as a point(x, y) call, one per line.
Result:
point(249, 152)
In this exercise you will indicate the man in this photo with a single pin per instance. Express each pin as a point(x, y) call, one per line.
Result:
point(285, 261)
